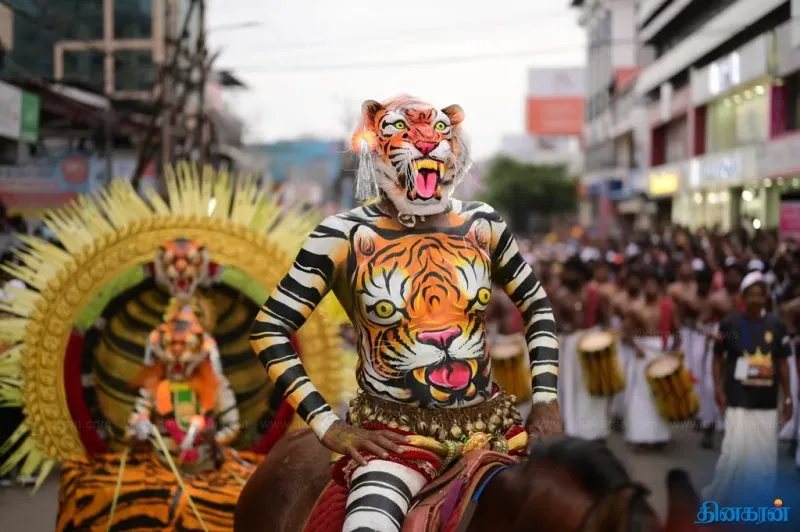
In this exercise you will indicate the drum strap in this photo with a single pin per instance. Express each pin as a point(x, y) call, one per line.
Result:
point(665, 321)
point(591, 307)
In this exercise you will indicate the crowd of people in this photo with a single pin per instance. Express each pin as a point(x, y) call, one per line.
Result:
point(726, 306)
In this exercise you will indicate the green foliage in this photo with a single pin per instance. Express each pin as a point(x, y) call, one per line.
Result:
point(520, 190)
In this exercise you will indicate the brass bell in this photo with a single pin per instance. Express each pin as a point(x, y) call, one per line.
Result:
point(393, 424)
point(422, 428)
point(495, 420)
point(470, 427)
point(480, 426)
point(372, 417)
point(492, 428)
point(507, 423)
point(404, 420)
point(442, 435)
point(433, 430)
point(513, 399)
point(366, 411)
point(382, 419)
point(456, 432)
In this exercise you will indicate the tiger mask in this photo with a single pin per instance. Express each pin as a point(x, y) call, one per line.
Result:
point(420, 321)
point(181, 266)
point(181, 344)
point(415, 152)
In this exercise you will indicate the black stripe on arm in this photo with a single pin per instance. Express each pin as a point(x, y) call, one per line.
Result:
point(548, 380)
point(311, 406)
point(292, 288)
point(540, 326)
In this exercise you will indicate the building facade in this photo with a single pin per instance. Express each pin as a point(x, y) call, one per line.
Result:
point(613, 156)
point(715, 106)
point(722, 100)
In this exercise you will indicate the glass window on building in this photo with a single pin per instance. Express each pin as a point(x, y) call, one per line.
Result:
point(85, 67)
point(676, 140)
point(134, 70)
point(133, 19)
point(37, 32)
point(721, 126)
point(76, 19)
point(752, 117)
point(738, 120)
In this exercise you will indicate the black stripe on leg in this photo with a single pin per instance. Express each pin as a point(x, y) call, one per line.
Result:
point(383, 480)
point(377, 503)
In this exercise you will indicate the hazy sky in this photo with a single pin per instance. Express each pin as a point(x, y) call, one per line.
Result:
point(312, 62)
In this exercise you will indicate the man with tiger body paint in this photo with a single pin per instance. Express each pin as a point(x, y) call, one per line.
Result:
point(414, 271)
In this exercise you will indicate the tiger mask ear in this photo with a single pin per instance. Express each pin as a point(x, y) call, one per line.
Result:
point(455, 113)
point(369, 112)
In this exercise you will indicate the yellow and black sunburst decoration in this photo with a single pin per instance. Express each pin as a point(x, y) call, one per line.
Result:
point(107, 241)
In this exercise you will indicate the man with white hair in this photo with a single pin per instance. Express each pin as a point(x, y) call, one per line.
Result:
point(750, 355)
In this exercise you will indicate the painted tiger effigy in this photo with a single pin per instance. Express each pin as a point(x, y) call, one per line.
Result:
point(137, 371)
point(413, 271)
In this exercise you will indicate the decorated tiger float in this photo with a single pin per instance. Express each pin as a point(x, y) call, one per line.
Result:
point(130, 354)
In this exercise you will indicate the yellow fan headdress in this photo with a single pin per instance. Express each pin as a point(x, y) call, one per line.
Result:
point(106, 235)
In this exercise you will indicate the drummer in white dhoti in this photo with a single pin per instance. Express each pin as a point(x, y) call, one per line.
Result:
point(750, 360)
point(578, 308)
point(651, 328)
point(682, 291)
point(697, 343)
point(621, 303)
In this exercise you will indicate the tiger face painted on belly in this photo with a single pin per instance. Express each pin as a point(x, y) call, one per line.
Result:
point(420, 301)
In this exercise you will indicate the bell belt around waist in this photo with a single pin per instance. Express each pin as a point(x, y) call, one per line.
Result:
point(494, 417)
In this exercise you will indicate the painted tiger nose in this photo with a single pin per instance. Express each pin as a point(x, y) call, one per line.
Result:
point(425, 147)
point(441, 339)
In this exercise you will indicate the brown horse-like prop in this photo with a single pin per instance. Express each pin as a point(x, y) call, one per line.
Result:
point(565, 485)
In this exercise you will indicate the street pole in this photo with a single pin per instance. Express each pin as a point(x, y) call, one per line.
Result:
point(201, 100)
point(109, 127)
point(109, 81)
point(167, 80)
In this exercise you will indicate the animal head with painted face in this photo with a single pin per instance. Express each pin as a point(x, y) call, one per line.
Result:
point(413, 152)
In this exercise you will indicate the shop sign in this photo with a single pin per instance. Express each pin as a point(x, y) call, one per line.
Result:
point(724, 169)
point(724, 74)
point(51, 182)
point(790, 220)
point(10, 103)
point(664, 183)
point(29, 118)
point(779, 157)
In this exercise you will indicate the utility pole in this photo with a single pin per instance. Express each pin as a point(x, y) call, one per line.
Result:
point(171, 50)
point(109, 81)
point(201, 99)
point(173, 88)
